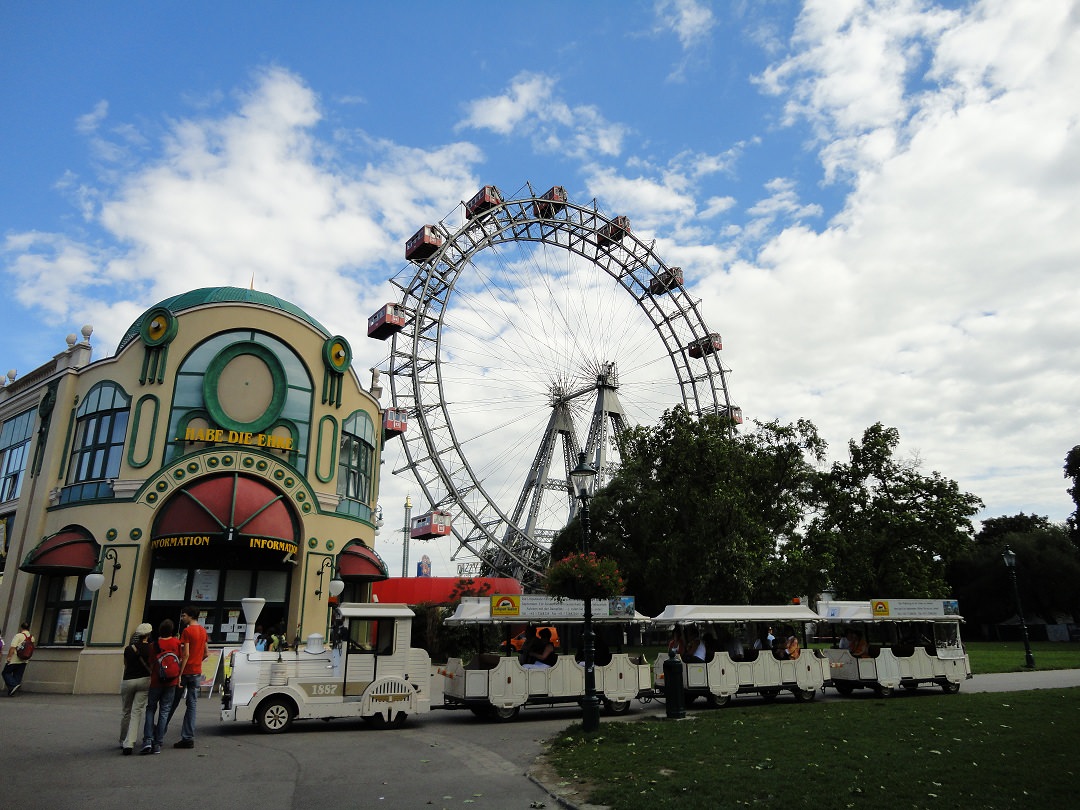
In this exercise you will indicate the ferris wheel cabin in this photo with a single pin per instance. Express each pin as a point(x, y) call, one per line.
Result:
point(706, 345)
point(434, 524)
point(486, 198)
point(423, 244)
point(550, 202)
point(613, 232)
point(395, 422)
point(735, 414)
point(666, 280)
point(388, 320)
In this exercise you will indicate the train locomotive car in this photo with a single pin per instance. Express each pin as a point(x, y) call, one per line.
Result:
point(369, 671)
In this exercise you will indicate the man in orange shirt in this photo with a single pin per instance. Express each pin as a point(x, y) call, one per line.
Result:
point(193, 651)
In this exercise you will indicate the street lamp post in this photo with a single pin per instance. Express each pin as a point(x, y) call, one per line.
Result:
point(1010, 562)
point(582, 477)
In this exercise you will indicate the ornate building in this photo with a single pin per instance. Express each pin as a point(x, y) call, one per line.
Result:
point(226, 450)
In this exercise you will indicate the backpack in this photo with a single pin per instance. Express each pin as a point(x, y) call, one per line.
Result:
point(26, 649)
point(168, 664)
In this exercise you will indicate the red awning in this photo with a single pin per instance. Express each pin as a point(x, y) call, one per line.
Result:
point(70, 552)
point(225, 509)
point(358, 563)
point(440, 590)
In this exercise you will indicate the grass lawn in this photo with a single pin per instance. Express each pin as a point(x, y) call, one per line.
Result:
point(923, 749)
point(1000, 656)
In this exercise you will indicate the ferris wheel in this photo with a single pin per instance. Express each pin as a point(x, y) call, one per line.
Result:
point(526, 326)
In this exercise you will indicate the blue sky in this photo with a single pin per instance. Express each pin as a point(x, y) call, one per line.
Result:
point(875, 201)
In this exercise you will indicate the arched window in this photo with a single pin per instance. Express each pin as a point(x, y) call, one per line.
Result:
point(100, 429)
point(356, 465)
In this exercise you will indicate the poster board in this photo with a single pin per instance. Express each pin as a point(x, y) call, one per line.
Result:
point(211, 665)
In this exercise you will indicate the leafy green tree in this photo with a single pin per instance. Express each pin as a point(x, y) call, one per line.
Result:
point(886, 529)
point(1072, 471)
point(1047, 570)
point(695, 514)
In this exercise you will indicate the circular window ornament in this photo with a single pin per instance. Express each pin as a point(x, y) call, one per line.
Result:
point(159, 327)
point(244, 388)
point(337, 354)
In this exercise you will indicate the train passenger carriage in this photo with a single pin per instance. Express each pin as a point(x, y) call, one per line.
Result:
point(891, 643)
point(550, 203)
point(368, 671)
point(386, 321)
point(498, 686)
point(485, 199)
point(666, 280)
point(423, 244)
point(436, 523)
point(613, 232)
point(707, 345)
point(739, 659)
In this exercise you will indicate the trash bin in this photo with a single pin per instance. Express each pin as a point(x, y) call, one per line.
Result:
point(673, 687)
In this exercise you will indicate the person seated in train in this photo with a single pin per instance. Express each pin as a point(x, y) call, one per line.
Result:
point(734, 647)
point(528, 645)
point(845, 640)
point(857, 646)
point(677, 645)
point(696, 651)
point(542, 654)
point(765, 640)
point(791, 643)
point(779, 648)
point(601, 651)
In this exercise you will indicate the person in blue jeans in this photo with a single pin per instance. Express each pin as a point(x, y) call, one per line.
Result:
point(160, 698)
point(193, 645)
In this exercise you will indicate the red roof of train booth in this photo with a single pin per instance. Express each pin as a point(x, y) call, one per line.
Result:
point(388, 320)
point(423, 243)
point(440, 590)
point(486, 198)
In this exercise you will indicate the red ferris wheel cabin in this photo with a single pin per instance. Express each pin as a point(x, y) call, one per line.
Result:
point(434, 524)
point(423, 243)
point(486, 198)
point(613, 232)
point(388, 320)
point(706, 345)
point(395, 422)
point(550, 202)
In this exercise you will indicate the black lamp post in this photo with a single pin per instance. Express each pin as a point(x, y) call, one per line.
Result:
point(582, 477)
point(1010, 562)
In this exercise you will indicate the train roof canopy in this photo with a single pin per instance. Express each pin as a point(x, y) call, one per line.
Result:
point(680, 614)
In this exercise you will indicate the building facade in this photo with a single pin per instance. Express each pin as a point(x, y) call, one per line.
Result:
point(226, 450)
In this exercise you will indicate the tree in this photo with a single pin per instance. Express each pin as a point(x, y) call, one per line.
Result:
point(1048, 568)
point(695, 514)
point(1072, 471)
point(885, 529)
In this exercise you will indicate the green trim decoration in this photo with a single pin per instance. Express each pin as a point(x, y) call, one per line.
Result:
point(212, 378)
point(136, 422)
point(331, 444)
point(135, 534)
point(337, 357)
point(312, 542)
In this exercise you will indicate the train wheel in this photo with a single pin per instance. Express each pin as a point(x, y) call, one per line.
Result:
point(844, 689)
point(950, 688)
point(883, 691)
point(804, 695)
point(503, 713)
point(274, 716)
point(769, 695)
point(617, 706)
point(911, 687)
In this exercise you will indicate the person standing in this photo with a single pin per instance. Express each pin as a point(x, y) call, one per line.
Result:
point(160, 697)
point(193, 651)
point(134, 687)
point(15, 667)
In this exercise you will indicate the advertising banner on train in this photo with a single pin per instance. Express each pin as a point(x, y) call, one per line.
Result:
point(537, 606)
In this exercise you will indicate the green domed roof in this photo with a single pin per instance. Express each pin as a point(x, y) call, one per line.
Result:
point(219, 295)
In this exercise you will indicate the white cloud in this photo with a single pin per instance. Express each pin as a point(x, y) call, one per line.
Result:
point(531, 108)
point(941, 298)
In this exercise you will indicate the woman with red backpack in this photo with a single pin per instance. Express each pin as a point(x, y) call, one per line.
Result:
point(164, 676)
